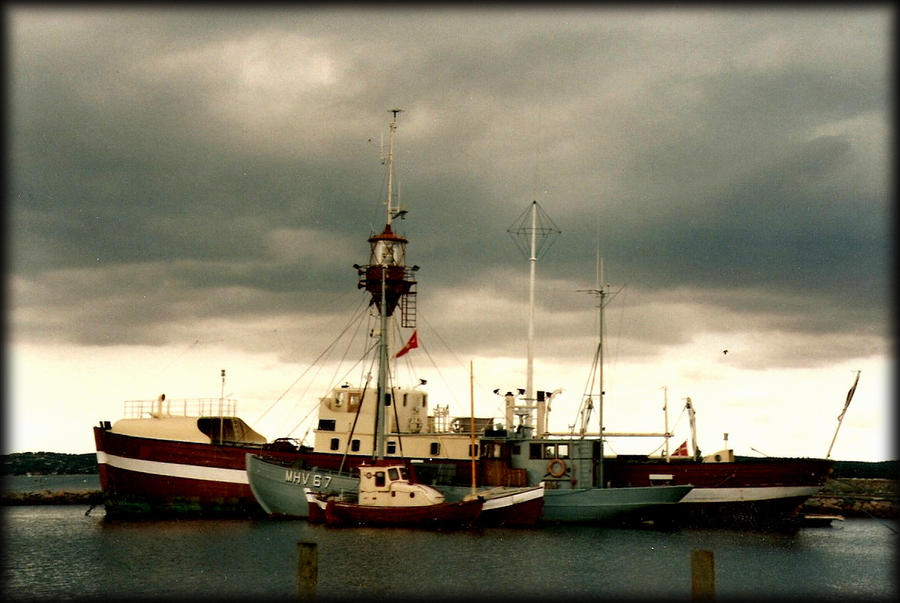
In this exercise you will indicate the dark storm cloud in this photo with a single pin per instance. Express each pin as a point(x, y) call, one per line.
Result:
point(735, 159)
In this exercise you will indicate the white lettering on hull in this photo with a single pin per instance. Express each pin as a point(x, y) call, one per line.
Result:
point(303, 477)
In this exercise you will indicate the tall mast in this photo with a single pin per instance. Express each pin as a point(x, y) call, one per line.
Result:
point(382, 371)
point(389, 282)
point(533, 223)
point(666, 422)
point(221, 403)
point(601, 292)
point(532, 262)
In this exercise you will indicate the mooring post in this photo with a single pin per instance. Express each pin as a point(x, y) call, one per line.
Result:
point(703, 575)
point(307, 570)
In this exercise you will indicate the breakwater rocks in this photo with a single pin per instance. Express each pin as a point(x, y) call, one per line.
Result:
point(856, 497)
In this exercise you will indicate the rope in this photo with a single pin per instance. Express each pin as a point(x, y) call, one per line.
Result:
point(330, 346)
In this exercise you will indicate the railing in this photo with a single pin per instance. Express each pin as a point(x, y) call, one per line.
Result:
point(195, 407)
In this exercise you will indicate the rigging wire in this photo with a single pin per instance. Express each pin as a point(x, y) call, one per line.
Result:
point(672, 430)
point(337, 380)
point(174, 360)
point(433, 363)
point(330, 346)
point(362, 398)
point(499, 410)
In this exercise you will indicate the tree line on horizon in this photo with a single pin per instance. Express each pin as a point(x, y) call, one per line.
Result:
point(60, 463)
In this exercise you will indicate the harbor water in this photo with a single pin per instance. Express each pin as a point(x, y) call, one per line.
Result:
point(61, 553)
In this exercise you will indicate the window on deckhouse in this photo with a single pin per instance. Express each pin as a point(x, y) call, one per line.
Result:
point(548, 451)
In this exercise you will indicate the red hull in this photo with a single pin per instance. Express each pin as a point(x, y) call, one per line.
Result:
point(145, 476)
point(456, 514)
point(521, 515)
point(750, 492)
point(741, 473)
point(159, 477)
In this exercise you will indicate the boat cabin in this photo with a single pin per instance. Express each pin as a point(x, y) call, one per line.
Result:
point(390, 485)
point(560, 463)
point(347, 417)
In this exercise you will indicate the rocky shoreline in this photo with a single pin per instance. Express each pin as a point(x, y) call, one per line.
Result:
point(856, 497)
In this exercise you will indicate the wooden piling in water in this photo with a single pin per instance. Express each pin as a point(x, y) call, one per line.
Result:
point(307, 570)
point(703, 575)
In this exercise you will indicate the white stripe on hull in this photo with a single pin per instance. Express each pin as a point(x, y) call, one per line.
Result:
point(210, 474)
point(725, 495)
point(510, 500)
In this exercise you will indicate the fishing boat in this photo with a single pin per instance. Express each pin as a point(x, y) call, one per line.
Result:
point(570, 466)
point(727, 490)
point(388, 496)
point(501, 507)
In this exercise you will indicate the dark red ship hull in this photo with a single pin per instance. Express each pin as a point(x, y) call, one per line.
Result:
point(745, 491)
point(147, 476)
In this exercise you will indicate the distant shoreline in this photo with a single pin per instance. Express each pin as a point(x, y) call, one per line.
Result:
point(852, 497)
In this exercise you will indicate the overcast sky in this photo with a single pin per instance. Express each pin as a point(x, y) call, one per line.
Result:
point(189, 188)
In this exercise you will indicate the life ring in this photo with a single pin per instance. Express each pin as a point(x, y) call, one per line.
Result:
point(556, 468)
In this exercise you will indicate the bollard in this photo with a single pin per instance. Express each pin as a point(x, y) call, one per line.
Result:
point(307, 570)
point(703, 575)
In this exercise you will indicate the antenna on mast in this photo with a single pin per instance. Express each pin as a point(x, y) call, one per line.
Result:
point(390, 170)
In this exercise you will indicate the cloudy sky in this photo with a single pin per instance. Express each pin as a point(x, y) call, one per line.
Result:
point(189, 189)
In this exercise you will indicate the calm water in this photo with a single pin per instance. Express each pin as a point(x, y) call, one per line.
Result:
point(57, 552)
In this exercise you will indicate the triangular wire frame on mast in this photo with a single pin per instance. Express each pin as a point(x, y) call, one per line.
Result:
point(533, 233)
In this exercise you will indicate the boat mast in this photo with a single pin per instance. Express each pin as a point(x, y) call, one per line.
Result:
point(601, 291)
point(388, 281)
point(382, 372)
point(472, 420)
point(692, 421)
point(533, 224)
point(390, 169)
point(221, 403)
point(665, 409)
point(532, 261)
